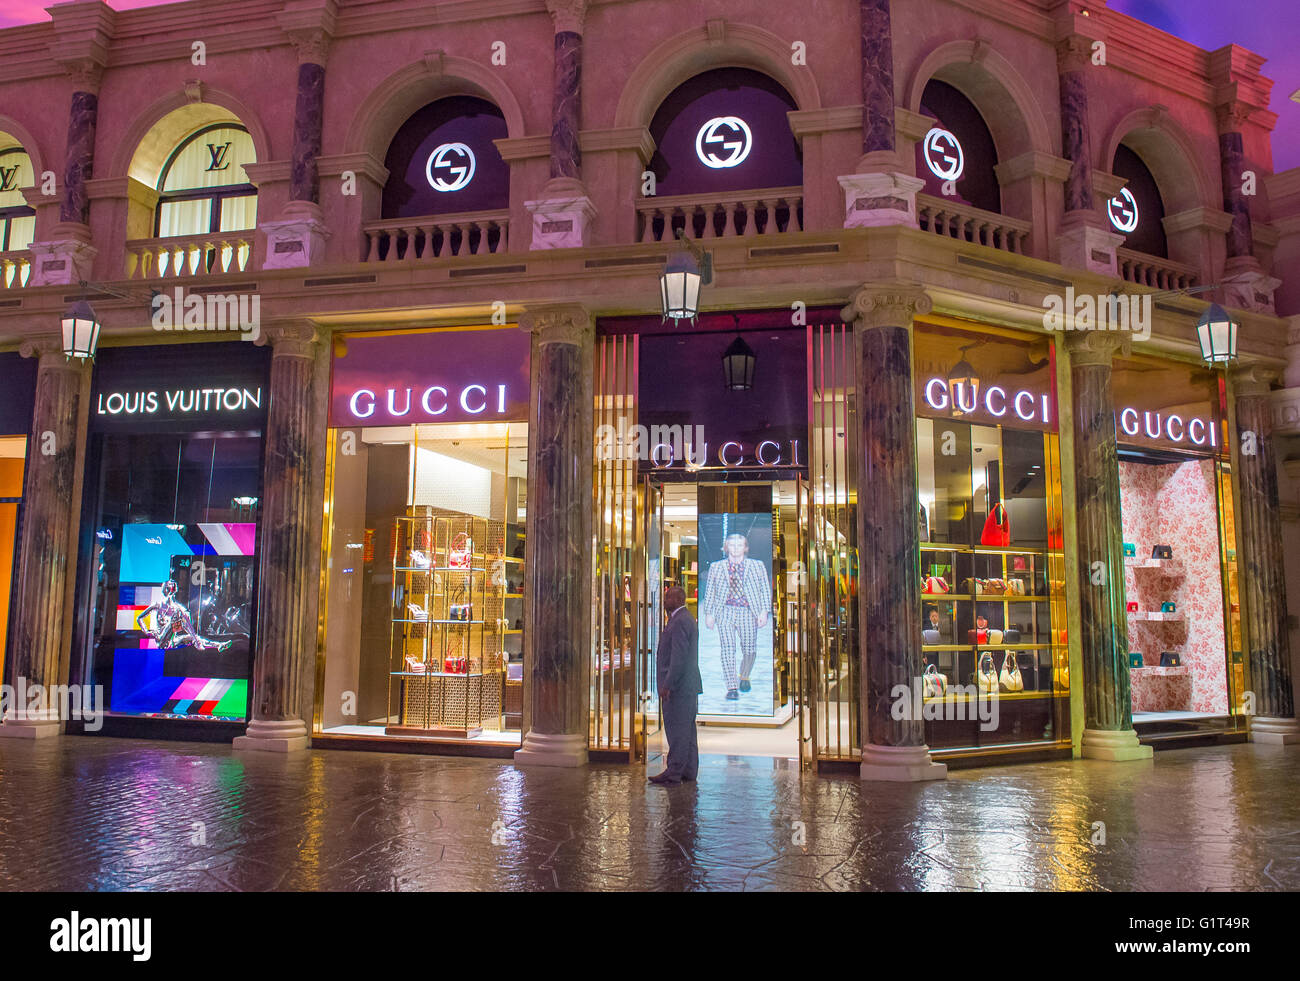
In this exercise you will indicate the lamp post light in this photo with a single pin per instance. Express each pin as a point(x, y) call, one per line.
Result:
point(680, 282)
point(738, 362)
point(80, 331)
point(1217, 333)
point(962, 377)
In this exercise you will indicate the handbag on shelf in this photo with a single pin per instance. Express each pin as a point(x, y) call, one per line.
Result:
point(1130, 550)
point(1061, 672)
point(1134, 659)
point(1168, 607)
point(930, 636)
point(986, 675)
point(460, 556)
point(935, 584)
point(1010, 678)
point(995, 638)
point(1168, 659)
point(995, 587)
point(1131, 606)
point(1162, 552)
point(1011, 636)
point(1015, 587)
point(933, 684)
point(461, 612)
point(977, 636)
point(1019, 564)
point(997, 532)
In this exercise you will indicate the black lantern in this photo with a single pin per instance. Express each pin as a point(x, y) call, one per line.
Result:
point(80, 331)
point(1218, 335)
point(679, 287)
point(961, 380)
point(738, 366)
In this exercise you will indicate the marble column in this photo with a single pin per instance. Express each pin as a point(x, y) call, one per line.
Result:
point(1245, 284)
point(1240, 238)
point(46, 557)
point(889, 589)
point(879, 192)
point(557, 577)
point(298, 235)
point(1085, 241)
point(287, 587)
point(562, 214)
point(1262, 579)
point(1099, 558)
point(79, 162)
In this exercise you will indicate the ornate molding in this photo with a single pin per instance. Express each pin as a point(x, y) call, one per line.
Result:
point(434, 62)
point(49, 354)
point(1073, 53)
point(86, 73)
point(568, 15)
point(893, 305)
point(309, 29)
point(1252, 380)
point(558, 323)
point(1093, 348)
point(1232, 116)
point(193, 91)
point(296, 339)
point(717, 30)
point(312, 45)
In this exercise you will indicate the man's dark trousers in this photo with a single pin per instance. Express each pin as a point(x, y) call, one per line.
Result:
point(679, 712)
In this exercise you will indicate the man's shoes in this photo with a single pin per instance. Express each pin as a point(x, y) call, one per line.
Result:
point(744, 686)
point(733, 695)
point(664, 780)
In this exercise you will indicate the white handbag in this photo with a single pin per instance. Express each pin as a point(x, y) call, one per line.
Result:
point(1010, 678)
point(933, 684)
point(987, 675)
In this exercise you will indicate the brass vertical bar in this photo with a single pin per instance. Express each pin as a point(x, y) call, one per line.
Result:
point(600, 562)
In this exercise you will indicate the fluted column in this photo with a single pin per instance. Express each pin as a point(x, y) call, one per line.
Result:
point(557, 578)
point(1263, 579)
point(889, 590)
point(50, 513)
point(287, 587)
point(1108, 709)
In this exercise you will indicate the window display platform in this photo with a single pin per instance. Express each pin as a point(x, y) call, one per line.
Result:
point(492, 744)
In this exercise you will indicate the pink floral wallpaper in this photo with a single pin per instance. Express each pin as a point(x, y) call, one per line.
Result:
point(1174, 504)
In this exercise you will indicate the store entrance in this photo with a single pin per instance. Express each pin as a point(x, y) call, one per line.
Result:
point(733, 548)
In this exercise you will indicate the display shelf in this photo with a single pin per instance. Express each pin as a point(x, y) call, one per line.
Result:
point(1157, 617)
point(1173, 567)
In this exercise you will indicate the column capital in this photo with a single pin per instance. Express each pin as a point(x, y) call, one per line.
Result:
point(1232, 116)
point(309, 25)
point(568, 15)
point(295, 339)
point(1252, 380)
point(557, 323)
point(49, 354)
point(887, 305)
point(86, 72)
point(1073, 53)
point(1094, 347)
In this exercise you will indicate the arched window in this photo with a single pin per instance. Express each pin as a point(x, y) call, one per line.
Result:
point(959, 143)
point(443, 161)
point(725, 130)
point(17, 221)
point(1138, 211)
point(203, 186)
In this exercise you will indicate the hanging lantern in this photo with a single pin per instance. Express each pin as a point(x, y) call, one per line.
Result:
point(1217, 334)
point(738, 363)
point(679, 287)
point(963, 386)
point(80, 331)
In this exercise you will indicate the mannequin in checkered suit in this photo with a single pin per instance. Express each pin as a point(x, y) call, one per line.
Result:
point(737, 602)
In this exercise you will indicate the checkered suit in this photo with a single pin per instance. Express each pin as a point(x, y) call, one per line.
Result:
point(736, 598)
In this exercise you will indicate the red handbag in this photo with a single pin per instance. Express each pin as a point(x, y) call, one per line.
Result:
point(996, 534)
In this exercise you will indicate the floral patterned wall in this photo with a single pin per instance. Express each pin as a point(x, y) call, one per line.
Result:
point(1174, 504)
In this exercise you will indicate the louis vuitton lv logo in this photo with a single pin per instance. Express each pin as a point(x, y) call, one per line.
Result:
point(8, 178)
point(218, 153)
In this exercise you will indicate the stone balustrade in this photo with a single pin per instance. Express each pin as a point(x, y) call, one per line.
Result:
point(189, 255)
point(1150, 270)
point(437, 236)
point(974, 225)
point(773, 211)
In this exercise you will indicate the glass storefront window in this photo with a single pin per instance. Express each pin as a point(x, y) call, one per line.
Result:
point(13, 453)
point(204, 187)
point(17, 220)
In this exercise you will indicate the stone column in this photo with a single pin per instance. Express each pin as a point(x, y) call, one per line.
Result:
point(47, 548)
point(557, 578)
point(287, 587)
point(1085, 241)
point(1244, 283)
point(563, 213)
point(889, 593)
point(67, 256)
point(1263, 579)
point(297, 238)
point(1099, 558)
point(881, 192)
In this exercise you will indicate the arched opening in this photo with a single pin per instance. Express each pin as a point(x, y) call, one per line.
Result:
point(17, 220)
point(203, 187)
point(1138, 211)
point(956, 159)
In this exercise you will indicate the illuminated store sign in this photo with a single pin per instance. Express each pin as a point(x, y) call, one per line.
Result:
point(1169, 428)
point(1123, 211)
point(178, 400)
point(942, 153)
point(453, 163)
point(731, 454)
point(995, 400)
point(723, 133)
point(473, 400)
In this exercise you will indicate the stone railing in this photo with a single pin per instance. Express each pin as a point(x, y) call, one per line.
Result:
point(15, 269)
point(1150, 270)
point(189, 255)
point(974, 225)
point(437, 236)
point(772, 211)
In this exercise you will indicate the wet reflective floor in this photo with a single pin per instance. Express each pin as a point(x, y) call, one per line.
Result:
point(90, 813)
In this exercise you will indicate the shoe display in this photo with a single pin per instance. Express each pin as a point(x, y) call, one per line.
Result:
point(744, 686)
point(417, 611)
point(733, 695)
point(419, 559)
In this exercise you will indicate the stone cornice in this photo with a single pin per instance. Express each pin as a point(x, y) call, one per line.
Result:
point(1252, 379)
point(1032, 164)
point(1208, 219)
point(806, 121)
point(558, 323)
point(525, 147)
point(1265, 234)
point(887, 305)
point(636, 138)
point(1105, 186)
point(309, 27)
point(362, 164)
point(909, 125)
point(269, 172)
point(122, 187)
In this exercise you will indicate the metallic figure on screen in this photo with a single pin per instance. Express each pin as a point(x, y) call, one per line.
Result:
point(737, 602)
point(172, 626)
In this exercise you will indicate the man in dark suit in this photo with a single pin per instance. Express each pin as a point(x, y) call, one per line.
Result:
point(678, 671)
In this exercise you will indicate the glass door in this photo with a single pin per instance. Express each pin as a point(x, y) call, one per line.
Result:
point(651, 619)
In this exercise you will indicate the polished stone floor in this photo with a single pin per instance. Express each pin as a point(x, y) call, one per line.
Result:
point(98, 813)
